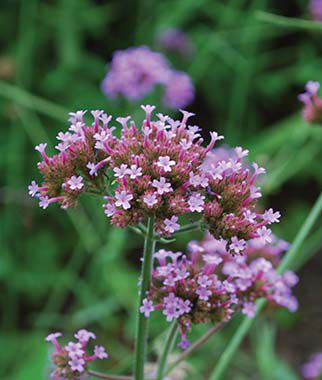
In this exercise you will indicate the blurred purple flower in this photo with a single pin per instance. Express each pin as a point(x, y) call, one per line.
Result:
point(176, 41)
point(179, 90)
point(313, 368)
point(134, 72)
point(315, 8)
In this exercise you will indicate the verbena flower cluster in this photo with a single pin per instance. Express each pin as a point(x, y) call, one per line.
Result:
point(159, 168)
point(71, 361)
point(313, 368)
point(136, 71)
point(315, 8)
point(312, 111)
point(210, 285)
point(176, 41)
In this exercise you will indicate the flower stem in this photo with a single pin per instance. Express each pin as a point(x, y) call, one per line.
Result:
point(106, 376)
point(246, 324)
point(203, 339)
point(167, 348)
point(142, 322)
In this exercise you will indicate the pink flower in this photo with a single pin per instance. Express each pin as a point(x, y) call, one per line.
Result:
point(237, 245)
point(109, 209)
point(264, 235)
point(135, 172)
point(76, 364)
point(171, 225)
point(92, 169)
point(123, 199)
point(249, 309)
point(271, 217)
point(121, 171)
point(100, 352)
point(74, 349)
point(53, 336)
point(165, 163)
point(196, 202)
point(162, 186)
point(150, 200)
point(146, 308)
point(33, 189)
point(44, 202)
point(84, 335)
point(75, 183)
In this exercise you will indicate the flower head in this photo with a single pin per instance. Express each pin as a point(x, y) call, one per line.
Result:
point(160, 168)
point(208, 284)
point(136, 71)
point(176, 41)
point(71, 361)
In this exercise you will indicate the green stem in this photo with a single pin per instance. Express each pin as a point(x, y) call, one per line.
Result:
point(142, 322)
point(288, 260)
point(188, 228)
point(203, 339)
point(167, 348)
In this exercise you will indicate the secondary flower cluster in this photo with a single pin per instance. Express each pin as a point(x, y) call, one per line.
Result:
point(312, 111)
point(176, 41)
point(135, 72)
point(159, 169)
point(315, 8)
point(210, 285)
point(313, 368)
point(71, 361)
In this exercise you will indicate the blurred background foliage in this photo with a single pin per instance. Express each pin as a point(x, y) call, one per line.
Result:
point(66, 270)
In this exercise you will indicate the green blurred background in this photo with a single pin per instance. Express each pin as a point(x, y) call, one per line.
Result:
point(67, 270)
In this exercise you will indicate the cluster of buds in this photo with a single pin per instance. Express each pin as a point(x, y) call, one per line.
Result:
point(313, 368)
point(71, 361)
point(312, 111)
point(159, 169)
point(210, 285)
point(136, 71)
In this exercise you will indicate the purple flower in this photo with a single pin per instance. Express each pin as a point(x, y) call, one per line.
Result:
point(77, 364)
point(165, 163)
point(84, 335)
point(74, 349)
point(134, 171)
point(147, 307)
point(171, 225)
point(264, 235)
point(315, 8)
point(100, 352)
point(109, 209)
point(53, 336)
point(175, 40)
point(134, 73)
point(33, 189)
point(179, 91)
point(162, 186)
point(75, 183)
point(150, 200)
point(123, 199)
point(313, 368)
point(184, 343)
point(44, 202)
point(271, 217)
point(203, 293)
point(196, 202)
point(121, 171)
point(249, 309)
point(237, 245)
